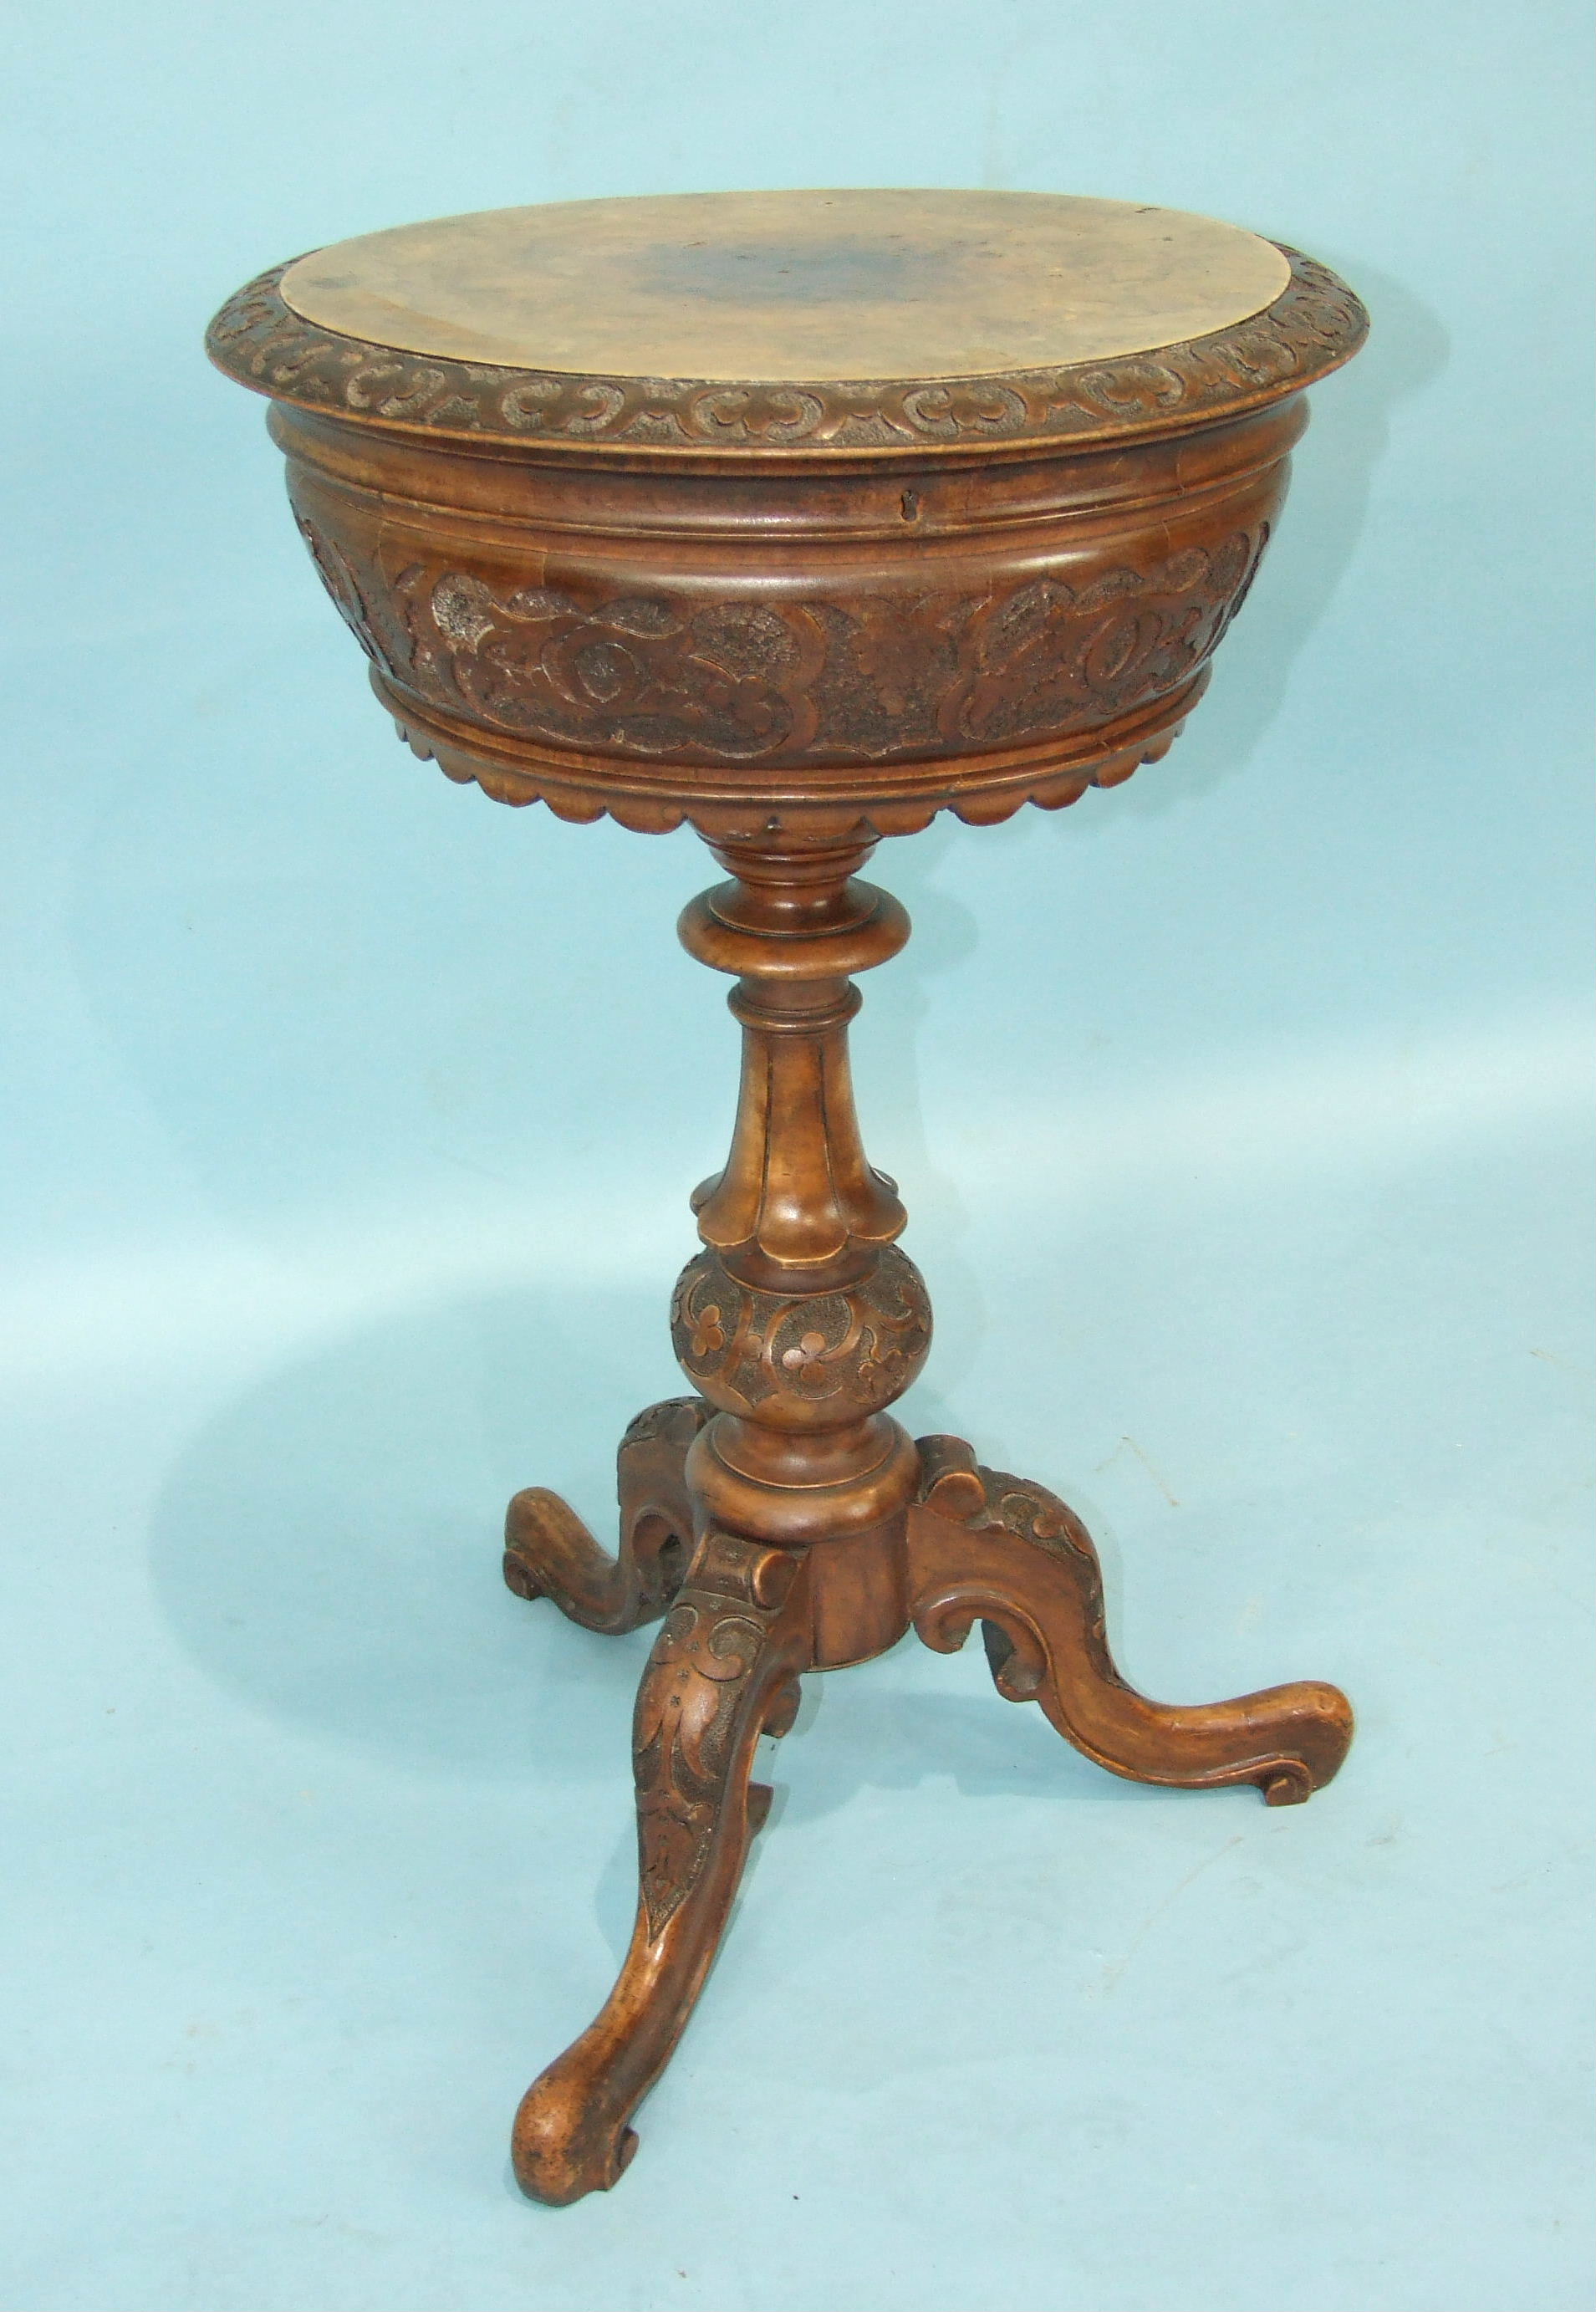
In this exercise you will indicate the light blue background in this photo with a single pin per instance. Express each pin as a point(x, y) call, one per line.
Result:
point(1242, 1118)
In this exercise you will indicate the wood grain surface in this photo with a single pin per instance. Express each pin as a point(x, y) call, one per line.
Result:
point(800, 616)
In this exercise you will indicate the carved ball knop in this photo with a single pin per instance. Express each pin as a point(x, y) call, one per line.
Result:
point(802, 1360)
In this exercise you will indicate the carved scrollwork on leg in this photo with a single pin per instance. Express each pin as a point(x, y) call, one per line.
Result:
point(724, 1670)
point(989, 1547)
point(549, 1553)
point(687, 1718)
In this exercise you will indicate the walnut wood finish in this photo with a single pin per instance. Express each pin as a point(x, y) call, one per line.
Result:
point(983, 1544)
point(549, 1553)
point(826, 653)
point(723, 1670)
point(1315, 324)
point(798, 1324)
point(791, 287)
point(799, 617)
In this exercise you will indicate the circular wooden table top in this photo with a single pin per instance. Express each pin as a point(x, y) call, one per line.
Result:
point(841, 320)
point(786, 287)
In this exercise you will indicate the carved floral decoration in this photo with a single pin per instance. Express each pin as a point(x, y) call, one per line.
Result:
point(864, 678)
point(802, 1356)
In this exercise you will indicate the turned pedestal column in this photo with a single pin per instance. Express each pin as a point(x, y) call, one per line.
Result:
point(783, 1521)
point(799, 518)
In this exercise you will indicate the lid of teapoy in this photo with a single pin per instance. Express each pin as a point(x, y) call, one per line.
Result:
point(846, 318)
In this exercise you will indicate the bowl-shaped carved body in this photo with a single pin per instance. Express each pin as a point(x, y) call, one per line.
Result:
point(807, 643)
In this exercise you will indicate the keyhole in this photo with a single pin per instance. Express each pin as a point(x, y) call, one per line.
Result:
point(910, 505)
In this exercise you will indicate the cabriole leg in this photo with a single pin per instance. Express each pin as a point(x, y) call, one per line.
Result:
point(724, 1670)
point(989, 1547)
point(549, 1553)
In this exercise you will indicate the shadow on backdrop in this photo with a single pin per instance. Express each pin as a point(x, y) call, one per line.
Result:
point(327, 1550)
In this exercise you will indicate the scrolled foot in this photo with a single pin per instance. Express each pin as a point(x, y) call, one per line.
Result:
point(989, 1547)
point(723, 1670)
point(565, 2143)
point(549, 1552)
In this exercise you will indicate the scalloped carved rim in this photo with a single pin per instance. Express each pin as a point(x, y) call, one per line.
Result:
point(897, 799)
point(1312, 327)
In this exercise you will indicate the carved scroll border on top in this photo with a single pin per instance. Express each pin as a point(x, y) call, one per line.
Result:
point(1312, 327)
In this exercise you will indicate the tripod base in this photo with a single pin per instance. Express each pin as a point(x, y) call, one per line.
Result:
point(742, 1620)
